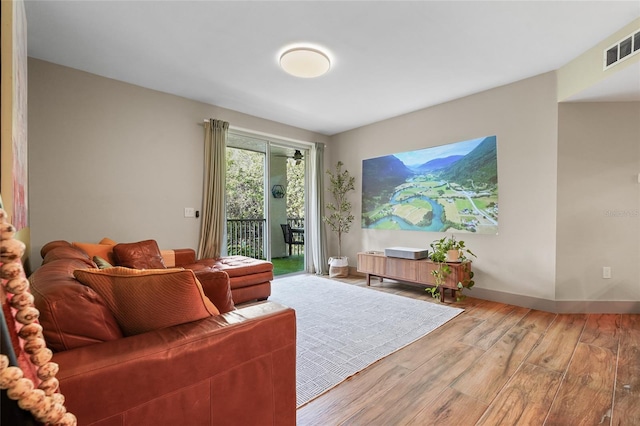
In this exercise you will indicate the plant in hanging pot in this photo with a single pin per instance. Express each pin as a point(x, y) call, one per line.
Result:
point(449, 249)
point(340, 216)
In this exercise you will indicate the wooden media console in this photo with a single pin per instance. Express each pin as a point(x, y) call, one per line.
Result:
point(419, 272)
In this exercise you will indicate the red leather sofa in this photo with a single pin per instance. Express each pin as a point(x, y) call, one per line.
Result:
point(232, 368)
point(250, 279)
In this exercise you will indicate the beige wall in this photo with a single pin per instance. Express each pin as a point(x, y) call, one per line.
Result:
point(598, 201)
point(109, 159)
point(521, 258)
point(112, 159)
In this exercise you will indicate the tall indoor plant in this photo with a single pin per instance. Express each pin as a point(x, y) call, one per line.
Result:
point(340, 217)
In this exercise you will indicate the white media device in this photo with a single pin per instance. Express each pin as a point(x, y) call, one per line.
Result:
point(407, 252)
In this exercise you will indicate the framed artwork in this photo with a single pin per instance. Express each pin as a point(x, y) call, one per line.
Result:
point(14, 113)
point(447, 188)
point(20, 175)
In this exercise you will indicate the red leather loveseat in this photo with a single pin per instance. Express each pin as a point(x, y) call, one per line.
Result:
point(232, 367)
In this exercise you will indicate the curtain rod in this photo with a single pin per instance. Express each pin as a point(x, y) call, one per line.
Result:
point(249, 132)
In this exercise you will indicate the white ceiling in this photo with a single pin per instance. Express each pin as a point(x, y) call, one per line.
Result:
point(389, 58)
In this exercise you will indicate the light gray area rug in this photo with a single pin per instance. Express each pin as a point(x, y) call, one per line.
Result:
point(343, 329)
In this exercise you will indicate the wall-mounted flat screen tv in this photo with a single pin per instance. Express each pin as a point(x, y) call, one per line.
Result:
point(447, 188)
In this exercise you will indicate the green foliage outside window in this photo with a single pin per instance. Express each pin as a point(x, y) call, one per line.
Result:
point(245, 184)
point(295, 190)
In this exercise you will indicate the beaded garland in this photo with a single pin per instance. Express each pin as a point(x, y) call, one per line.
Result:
point(43, 400)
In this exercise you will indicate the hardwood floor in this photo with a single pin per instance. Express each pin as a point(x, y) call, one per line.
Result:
point(496, 364)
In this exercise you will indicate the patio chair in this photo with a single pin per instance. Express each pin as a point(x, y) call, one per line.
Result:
point(292, 236)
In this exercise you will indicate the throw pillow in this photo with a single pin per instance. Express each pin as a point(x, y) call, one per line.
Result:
point(148, 300)
point(107, 241)
point(216, 287)
point(140, 255)
point(102, 264)
point(104, 251)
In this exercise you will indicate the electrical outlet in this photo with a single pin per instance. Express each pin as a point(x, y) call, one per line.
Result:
point(606, 272)
point(189, 212)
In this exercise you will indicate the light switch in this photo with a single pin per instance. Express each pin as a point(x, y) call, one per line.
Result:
point(189, 212)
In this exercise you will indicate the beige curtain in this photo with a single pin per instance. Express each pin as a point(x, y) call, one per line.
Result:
point(212, 232)
point(318, 237)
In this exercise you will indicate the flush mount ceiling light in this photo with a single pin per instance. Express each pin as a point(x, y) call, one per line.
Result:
point(305, 62)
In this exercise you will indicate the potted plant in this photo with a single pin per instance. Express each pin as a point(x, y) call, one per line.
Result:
point(449, 249)
point(340, 217)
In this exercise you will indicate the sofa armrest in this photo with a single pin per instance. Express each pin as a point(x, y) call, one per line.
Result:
point(238, 368)
point(178, 257)
point(216, 287)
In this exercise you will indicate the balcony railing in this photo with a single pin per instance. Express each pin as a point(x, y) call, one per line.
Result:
point(246, 236)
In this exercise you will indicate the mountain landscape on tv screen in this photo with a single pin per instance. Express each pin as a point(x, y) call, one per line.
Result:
point(450, 188)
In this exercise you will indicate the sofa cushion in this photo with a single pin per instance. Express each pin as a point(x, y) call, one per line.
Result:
point(141, 255)
point(51, 245)
point(71, 314)
point(104, 251)
point(145, 300)
point(67, 252)
point(236, 266)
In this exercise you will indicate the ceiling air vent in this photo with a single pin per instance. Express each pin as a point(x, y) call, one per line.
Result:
point(623, 49)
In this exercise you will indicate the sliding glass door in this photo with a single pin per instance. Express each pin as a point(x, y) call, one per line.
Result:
point(287, 208)
point(266, 200)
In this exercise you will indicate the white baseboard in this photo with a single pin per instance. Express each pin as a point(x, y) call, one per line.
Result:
point(558, 306)
point(555, 306)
